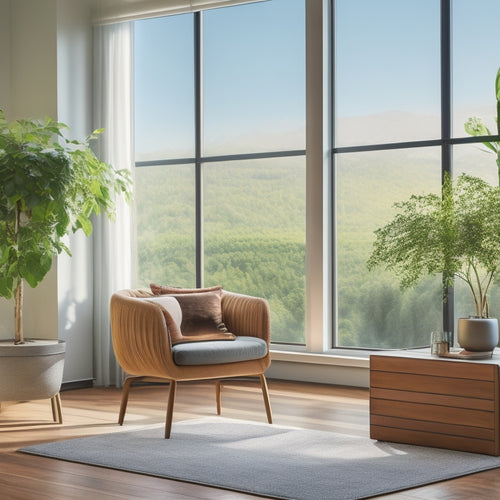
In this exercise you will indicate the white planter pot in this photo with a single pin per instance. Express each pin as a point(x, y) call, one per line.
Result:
point(478, 334)
point(31, 371)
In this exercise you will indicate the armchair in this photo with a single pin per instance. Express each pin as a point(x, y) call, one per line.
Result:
point(142, 332)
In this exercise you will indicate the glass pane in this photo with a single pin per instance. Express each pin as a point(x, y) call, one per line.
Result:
point(387, 71)
point(476, 44)
point(165, 202)
point(372, 311)
point(254, 216)
point(164, 88)
point(475, 160)
point(254, 78)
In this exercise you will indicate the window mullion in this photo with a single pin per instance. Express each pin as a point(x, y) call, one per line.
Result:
point(446, 120)
point(198, 85)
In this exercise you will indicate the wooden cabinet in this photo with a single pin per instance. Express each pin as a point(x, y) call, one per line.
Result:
point(435, 402)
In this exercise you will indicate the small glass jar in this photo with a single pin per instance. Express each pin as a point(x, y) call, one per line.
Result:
point(439, 343)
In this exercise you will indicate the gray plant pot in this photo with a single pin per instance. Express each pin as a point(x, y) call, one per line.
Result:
point(478, 334)
point(31, 371)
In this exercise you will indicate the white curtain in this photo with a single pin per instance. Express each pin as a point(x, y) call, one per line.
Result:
point(112, 240)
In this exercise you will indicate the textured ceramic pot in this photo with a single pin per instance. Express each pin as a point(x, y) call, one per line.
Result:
point(31, 371)
point(478, 334)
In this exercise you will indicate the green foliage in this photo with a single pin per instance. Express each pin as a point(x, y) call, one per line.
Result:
point(51, 186)
point(263, 265)
point(255, 243)
point(254, 233)
point(456, 235)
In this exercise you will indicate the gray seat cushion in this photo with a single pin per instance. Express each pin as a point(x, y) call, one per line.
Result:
point(215, 352)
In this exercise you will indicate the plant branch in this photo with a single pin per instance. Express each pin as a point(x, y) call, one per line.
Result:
point(479, 309)
point(486, 307)
point(466, 278)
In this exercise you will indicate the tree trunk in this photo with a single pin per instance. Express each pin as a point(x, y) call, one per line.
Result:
point(19, 313)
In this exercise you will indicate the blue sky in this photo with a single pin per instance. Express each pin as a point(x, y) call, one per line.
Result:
point(387, 59)
point(254, 74)
point(387, 56)
point(402, 39)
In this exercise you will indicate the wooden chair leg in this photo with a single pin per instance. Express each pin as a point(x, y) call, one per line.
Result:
point(218, 396)
point(55, 402)
point(265, 394)
point(170, 407)
point(123, 404)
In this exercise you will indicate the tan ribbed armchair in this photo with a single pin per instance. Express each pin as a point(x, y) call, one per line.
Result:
point(142, 344)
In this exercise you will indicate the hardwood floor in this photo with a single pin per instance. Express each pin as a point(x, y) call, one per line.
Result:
point(94, 411)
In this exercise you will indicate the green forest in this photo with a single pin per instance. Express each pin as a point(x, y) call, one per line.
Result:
point(254, 227)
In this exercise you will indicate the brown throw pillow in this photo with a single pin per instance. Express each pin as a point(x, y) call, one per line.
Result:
point(201, 313)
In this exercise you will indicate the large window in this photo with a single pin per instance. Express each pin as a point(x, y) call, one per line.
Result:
point(407, 77)
point(220, 154)
point(221, 164)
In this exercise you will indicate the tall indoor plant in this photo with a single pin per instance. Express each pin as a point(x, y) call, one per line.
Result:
point(51, 186)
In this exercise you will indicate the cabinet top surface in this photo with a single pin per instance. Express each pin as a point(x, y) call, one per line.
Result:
point(426, 354)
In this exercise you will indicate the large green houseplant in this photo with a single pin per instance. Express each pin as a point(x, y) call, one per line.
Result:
point(50, 186)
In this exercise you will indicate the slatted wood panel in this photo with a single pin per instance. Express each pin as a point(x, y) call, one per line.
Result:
point(432, 402)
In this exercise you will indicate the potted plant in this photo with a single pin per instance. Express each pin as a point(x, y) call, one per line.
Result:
point(455, 234)
point(51, 186)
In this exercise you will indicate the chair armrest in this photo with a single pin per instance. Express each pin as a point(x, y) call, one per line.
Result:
point(140, 336)
point(246, 315)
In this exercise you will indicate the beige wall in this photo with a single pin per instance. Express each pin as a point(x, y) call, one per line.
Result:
point(6, 308)
point(33, 62)
point(46, 70)
point(4, 55)
point(28, 89)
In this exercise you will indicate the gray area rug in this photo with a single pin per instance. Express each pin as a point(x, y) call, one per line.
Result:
point(269, 460)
